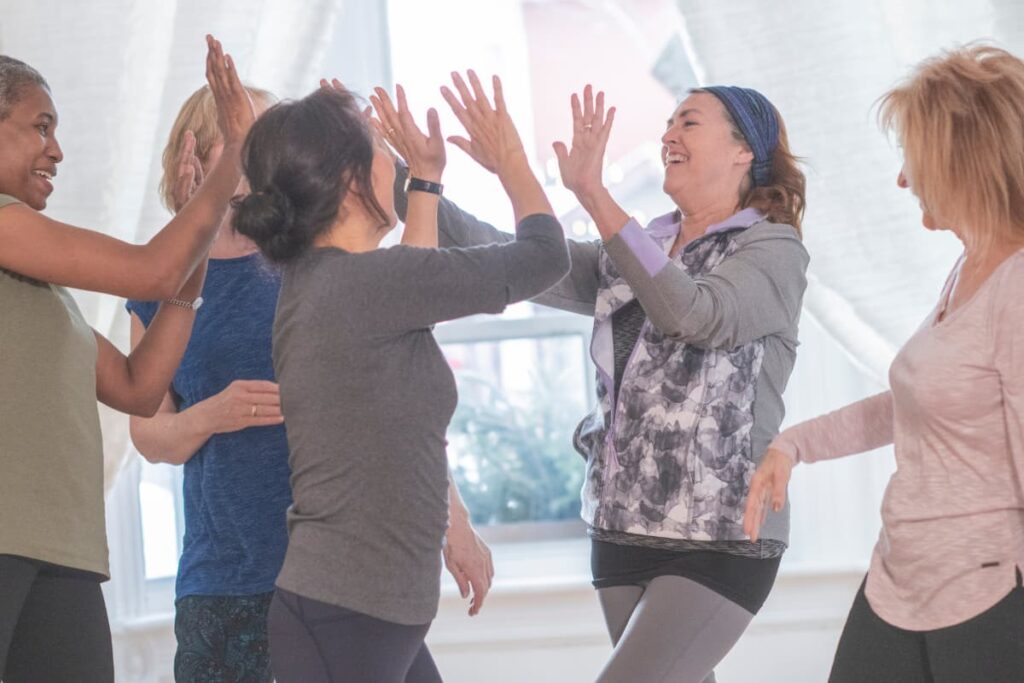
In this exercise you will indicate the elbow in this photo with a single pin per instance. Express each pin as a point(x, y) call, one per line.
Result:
point(145, 405)
point(558, 264)
point(136, 431)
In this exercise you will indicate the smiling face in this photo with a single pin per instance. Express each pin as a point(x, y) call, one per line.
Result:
point(704, 162)
point(29, 152)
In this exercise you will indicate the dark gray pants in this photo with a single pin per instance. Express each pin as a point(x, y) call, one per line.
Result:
point(988, 648)
point(53, 624)
point(670, 630)
point(313, 642)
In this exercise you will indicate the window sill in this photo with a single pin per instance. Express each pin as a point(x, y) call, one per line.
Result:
point(560, 567)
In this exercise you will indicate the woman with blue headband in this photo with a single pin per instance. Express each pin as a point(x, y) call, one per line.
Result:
point(695, 334)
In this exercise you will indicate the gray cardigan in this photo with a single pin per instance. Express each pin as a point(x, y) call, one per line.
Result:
point(755, 294)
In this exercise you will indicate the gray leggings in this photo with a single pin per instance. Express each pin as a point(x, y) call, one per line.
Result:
point(671, 630)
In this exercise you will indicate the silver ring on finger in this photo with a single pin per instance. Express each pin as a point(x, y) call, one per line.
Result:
point(588, 127)
point(391, 131)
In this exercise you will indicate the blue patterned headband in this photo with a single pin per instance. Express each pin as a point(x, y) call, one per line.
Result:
point(755, 117)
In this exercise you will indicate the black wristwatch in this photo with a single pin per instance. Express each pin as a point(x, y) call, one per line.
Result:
point(420, 185)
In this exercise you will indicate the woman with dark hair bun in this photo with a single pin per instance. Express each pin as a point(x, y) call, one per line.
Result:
point(364, 387)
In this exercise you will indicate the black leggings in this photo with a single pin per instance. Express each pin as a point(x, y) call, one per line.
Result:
point(53, 624)
point(313, 642)
point(988, 648)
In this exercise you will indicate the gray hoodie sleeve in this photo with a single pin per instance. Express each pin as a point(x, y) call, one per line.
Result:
point(755, 292)
point(576, 292)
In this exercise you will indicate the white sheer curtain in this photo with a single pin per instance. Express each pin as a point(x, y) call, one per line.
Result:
point(874, 272)
point(119, 70)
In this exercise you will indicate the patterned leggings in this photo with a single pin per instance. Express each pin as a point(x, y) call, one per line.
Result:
point(222, 639)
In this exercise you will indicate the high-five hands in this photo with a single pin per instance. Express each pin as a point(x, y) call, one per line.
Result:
point(235, 112)
point(425, 154)
point(493, 140)
point(581, 164)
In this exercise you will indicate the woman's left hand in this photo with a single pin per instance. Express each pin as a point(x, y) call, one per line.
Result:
point(468, 559)
point(188, 173)
point(493, 140)
point(425, 154)
point(581, 165)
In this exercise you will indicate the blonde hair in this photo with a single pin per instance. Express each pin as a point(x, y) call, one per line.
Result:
point(960, 119)
point(199, 115)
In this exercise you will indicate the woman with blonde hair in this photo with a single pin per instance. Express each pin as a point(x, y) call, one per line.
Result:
point(221, 420)
point(695, 334)
point(54, 367)
point(942, 600)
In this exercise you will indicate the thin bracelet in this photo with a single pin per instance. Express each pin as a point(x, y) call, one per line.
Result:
point(190, 305)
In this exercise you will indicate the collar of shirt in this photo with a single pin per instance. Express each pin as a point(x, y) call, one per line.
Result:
point(668, 226)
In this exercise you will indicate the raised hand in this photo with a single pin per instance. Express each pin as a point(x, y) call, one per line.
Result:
point(235, 112)
point(188, 173)
point(425, 154)
point(493, 141)
point(768, 485)
point(581, 165)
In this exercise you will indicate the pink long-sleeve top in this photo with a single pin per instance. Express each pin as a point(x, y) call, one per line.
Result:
point(953, 513)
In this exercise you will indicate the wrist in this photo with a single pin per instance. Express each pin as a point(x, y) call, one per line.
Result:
point(431, 175)
point(513, 166)
point(201, 418)
point(591, 197)
point(458, 515)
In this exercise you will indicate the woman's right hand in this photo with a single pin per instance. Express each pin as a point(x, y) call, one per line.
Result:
point(425, 154)
point(235, 112)
point(581, 165)
point(768, 484)
point(244, 403)
point(493, 141)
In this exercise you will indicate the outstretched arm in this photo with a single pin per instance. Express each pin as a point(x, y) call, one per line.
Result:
point(58, 253)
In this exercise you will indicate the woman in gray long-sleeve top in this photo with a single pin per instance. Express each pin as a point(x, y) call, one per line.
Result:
point(695, 334)
point(365, 391)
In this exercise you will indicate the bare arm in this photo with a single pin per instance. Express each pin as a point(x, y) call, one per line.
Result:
point(174, 437)
point(855, 428)
point(466, 555)
point(136, 383)
point(426, 157)
point(494, 143)
point(55, 252)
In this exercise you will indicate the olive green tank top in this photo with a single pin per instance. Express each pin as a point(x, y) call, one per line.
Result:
point(51, 454)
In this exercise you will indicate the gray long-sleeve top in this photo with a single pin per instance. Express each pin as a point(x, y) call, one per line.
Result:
point(755, 293)
point(368, 396)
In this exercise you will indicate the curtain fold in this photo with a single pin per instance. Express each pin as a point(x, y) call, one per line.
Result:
point(875, 272)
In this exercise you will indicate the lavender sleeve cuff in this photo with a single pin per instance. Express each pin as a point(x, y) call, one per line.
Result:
point(644, 248)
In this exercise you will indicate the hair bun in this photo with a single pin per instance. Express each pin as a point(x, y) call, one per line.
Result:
point(267, 218)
